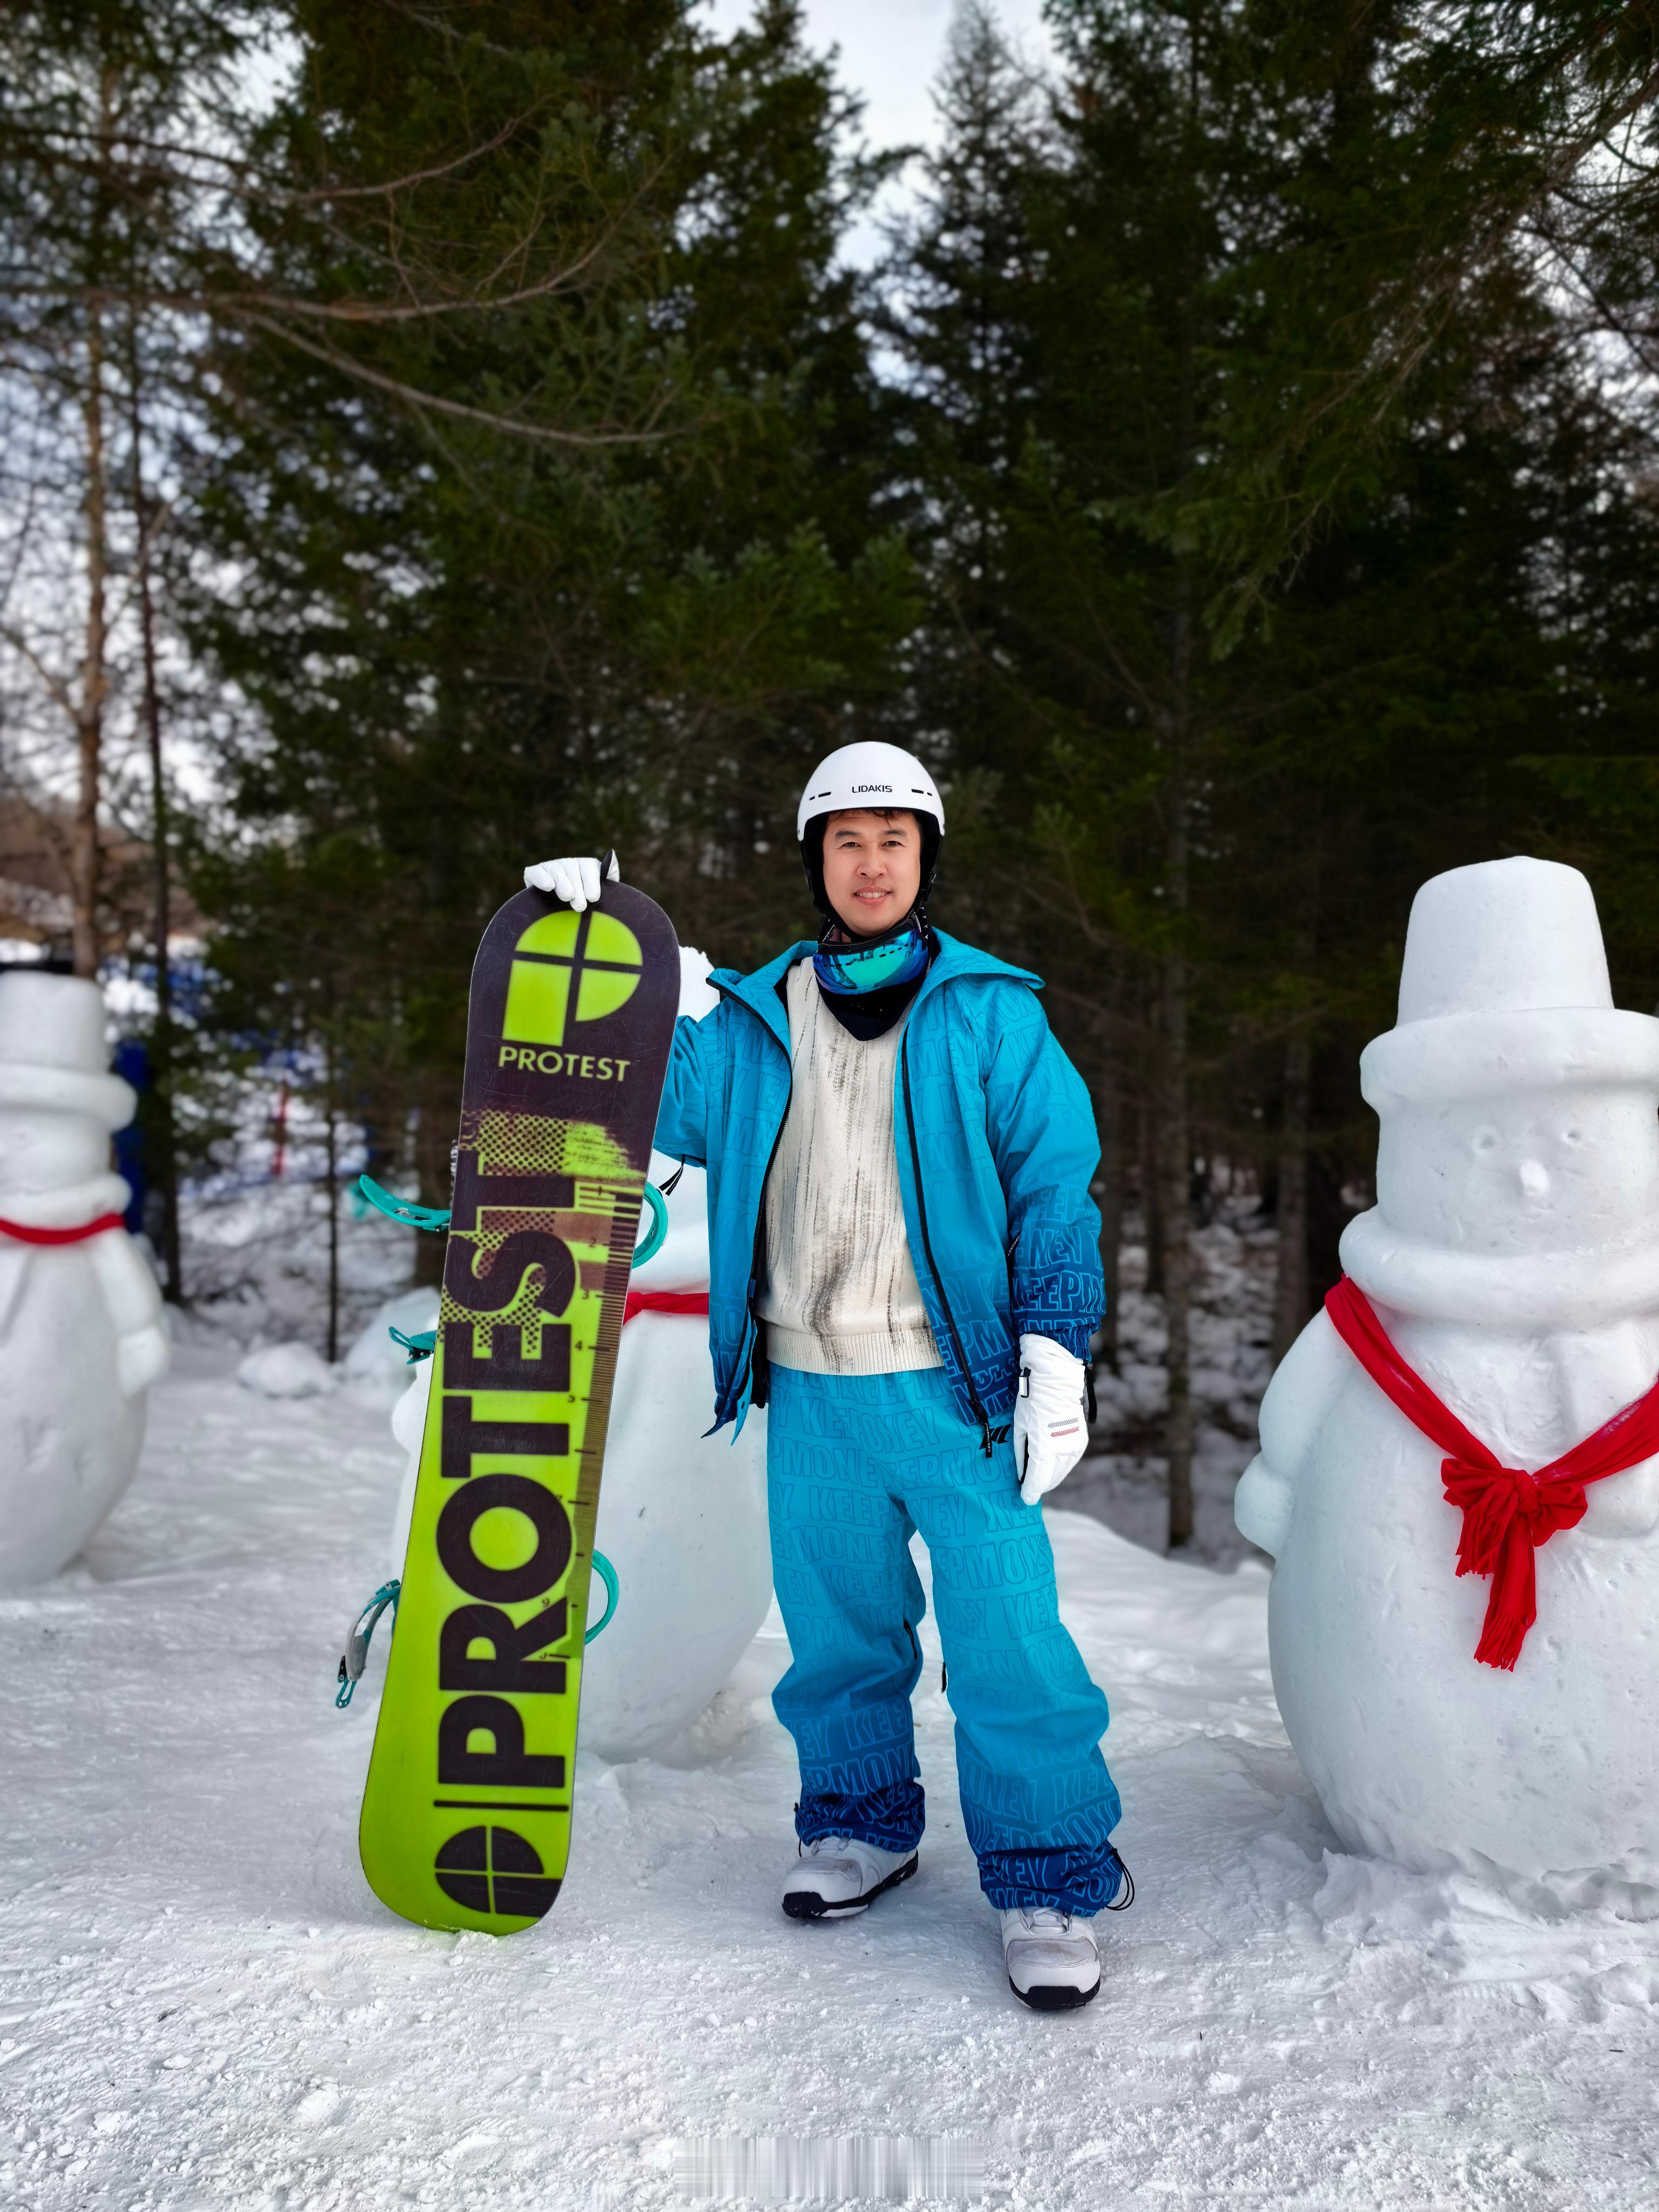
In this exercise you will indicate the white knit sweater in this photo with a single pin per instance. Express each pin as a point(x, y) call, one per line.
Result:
point(841, 1295)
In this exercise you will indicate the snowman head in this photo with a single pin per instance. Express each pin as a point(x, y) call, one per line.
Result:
point(1518, 1105)
point(58, 1102)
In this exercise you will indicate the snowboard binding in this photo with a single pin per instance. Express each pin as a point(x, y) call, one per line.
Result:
point(355, 1658)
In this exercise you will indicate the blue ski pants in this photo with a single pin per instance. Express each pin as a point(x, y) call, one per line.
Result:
point(856, 1463)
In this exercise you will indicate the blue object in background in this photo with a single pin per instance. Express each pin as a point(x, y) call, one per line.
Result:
point(133, 1066)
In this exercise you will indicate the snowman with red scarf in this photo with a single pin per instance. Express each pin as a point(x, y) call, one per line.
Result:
point(80, 1331)
point(1458, 1480)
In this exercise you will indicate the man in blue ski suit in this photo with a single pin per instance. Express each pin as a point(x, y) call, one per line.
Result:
point(904, 1269)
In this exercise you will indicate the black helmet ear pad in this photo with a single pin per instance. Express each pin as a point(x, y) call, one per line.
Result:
point(811, 859)
point(932, 838)
point(811, 856)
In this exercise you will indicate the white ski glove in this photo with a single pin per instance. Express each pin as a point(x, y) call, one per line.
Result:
point(574, 882)
point(1051, 1422)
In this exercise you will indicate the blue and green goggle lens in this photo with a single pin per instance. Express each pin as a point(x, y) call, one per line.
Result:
point(852, 970)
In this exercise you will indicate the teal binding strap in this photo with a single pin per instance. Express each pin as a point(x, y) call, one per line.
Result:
point(420, 1346)
point(607, 1575)
point(403, 1209)
point(433, 1217)
point(658, 1229)
point(355, 1658)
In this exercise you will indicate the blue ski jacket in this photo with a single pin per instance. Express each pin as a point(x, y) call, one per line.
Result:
point(996, 1146)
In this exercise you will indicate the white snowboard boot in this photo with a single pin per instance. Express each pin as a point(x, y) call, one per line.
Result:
point(1052, 1958)
point(835, 1876)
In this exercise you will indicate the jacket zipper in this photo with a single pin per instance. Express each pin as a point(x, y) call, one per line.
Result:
point(755, 1254)
point(979, 1414)
point(738, 1379)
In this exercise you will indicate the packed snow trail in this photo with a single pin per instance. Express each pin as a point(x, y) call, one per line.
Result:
point(205, 2008)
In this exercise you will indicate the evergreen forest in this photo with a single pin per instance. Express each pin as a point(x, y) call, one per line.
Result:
point(438, 435)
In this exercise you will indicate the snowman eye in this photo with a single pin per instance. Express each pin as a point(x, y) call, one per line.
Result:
point(1485, 1140)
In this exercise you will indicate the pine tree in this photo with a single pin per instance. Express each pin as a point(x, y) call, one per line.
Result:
point(105, 108)
point(1096, 269)
point(627, 607)
point(1212, 755)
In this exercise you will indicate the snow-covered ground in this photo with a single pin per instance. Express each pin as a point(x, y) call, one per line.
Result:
point(255, 1232)
point(205, 2008)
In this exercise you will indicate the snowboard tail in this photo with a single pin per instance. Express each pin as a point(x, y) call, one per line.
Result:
point(466, 1813)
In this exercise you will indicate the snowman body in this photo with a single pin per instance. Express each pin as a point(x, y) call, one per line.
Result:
point(81, 1335)
point(69, 1436)
point(1513, 1259)
point(681, 1516)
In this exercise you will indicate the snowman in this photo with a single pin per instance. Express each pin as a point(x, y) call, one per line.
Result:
point(1457, 1481)
point(80, 1331)
point(681, 1516)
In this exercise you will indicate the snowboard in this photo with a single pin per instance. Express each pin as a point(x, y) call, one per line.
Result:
point(466, 1812)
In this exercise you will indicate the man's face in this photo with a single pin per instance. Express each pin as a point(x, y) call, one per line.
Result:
point(871, 869)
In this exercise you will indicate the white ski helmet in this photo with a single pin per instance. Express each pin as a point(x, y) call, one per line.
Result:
point(868, 776)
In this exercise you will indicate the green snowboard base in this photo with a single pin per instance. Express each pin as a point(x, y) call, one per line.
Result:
point(467, 1813)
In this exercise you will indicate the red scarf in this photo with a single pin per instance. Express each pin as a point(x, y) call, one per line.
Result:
point(679, 1301)
point(1507, 1513)
point(28, 1236)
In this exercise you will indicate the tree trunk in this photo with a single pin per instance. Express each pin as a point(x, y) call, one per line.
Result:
point(1110, 1109)
point(1152, 1202)
point(435, 1133)
point(1175, 1190)
point(166, 1163)
point(1174, 1132)
point(95, 678)
point(1173, 1098)
point(94, 673)
point(332, 1140)
point(1291, 1289)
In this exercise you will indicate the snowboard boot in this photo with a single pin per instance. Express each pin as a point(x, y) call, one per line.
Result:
point(1052, 1958)
point(836, 1876)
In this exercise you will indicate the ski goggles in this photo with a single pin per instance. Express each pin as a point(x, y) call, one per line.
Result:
point(850, 971)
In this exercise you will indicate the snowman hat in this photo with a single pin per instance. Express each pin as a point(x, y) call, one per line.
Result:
point(52, 1055)
point(1504, 986)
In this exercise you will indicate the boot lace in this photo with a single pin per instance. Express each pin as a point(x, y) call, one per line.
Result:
point(1045, 1920)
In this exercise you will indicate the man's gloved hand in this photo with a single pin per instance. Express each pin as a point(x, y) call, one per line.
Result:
point(574, 882)
point(1051, 1420)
